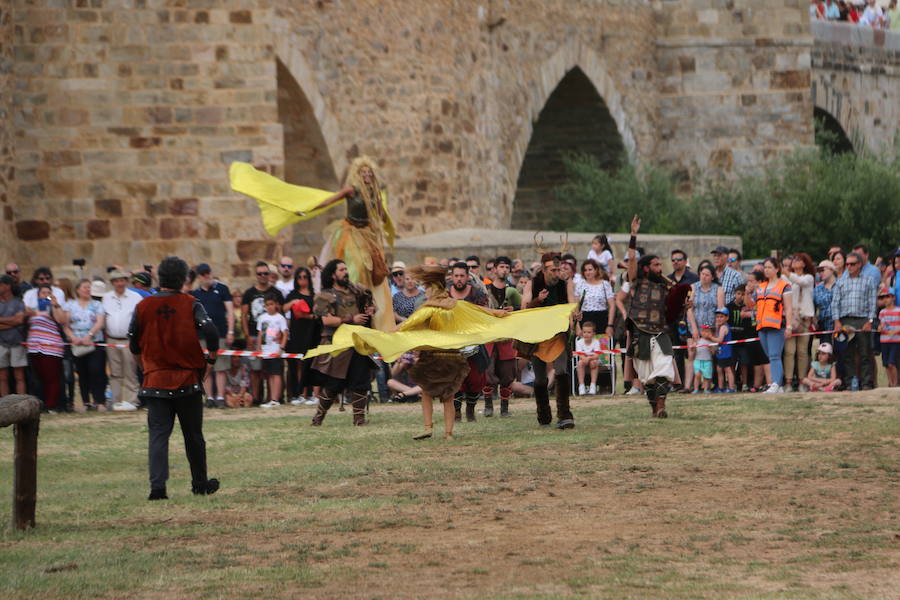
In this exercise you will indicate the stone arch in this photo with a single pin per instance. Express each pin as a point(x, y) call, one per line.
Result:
point(838, 105)
point(574, 75)
point(299, 69)
point(836, 140)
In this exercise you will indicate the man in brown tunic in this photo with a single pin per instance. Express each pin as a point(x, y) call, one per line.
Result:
point(339, 302)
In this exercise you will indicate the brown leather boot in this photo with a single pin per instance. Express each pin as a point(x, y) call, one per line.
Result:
point(359, 403)
point(661, 407)
point(457, 406)
point(488, 401)
point(326, 399)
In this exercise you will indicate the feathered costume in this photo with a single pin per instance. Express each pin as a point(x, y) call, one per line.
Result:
point(358, 239)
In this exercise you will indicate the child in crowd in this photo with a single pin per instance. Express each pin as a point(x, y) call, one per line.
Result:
point(273, 333)
point(601, 251)
point(890, 334)
point(703, 366)
point(588, 344)
point(237, 385)
point(740, 321)
point(725, 355)
point(822, 371)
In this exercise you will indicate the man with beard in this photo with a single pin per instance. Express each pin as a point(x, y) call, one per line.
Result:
point(341, 301)
point(472, 387)
point(502, 368)
point(548, 289)
point(651, 347)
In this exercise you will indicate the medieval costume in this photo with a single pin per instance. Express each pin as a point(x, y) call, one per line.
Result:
point(163, 335)
point(476, 356)
point(349, 371)
point(441, 326)
point(651, 346)
point(358, 239)
point(547, 289)
point(501, 371)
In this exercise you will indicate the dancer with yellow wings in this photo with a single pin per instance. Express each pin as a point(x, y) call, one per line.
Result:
point(358, 239)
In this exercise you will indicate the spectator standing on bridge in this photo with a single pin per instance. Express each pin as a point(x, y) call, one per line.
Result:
point(893, 16)
point(832, 12)
point(873, 16)
point(816, 9)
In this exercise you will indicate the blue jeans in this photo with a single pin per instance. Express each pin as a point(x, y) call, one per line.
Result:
point(772, 341)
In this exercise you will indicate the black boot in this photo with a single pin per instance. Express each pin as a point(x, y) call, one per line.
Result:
point(457, 406)
point(158, 494)
point(564, 418)
point(471, 401)
point(207, 488)
point(505, 394)
point(489, 405)
point(542, 400)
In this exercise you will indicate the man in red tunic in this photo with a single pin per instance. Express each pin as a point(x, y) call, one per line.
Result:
point(163, 334)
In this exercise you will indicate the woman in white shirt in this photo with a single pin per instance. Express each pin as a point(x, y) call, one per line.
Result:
point(796, 349)
point(598, 298)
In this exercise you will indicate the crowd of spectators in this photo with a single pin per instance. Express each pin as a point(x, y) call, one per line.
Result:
point(868, 13)
point(838, 315)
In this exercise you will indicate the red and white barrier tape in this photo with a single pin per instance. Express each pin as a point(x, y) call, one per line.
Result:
point(297, 355)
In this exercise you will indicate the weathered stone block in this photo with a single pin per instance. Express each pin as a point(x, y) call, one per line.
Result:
point(30, 231)
point(97, 229)
point(252, 250)
point(108, 207)
point(183, 206)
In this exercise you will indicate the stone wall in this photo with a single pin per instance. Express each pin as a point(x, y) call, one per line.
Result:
point(857, 81)
point(127, 112)
point(6, 130)
point(735, 82)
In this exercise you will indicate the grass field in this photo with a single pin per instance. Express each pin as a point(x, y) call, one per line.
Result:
point(731, 497)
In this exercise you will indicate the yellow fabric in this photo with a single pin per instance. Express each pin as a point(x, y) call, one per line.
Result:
point(279, 202)
point(463, 325)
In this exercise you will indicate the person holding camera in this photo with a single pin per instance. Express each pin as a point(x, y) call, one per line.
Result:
point(45, 345)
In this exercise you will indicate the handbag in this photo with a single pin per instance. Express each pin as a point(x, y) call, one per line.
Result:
point(78, 351)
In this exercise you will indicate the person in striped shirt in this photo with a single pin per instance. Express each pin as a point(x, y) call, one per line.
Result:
point(45, 345)
point(890, 334)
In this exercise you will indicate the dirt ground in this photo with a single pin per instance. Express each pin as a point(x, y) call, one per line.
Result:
point(758, 516)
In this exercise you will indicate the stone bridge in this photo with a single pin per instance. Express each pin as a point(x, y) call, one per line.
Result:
point(118, 117)
point(856, 84)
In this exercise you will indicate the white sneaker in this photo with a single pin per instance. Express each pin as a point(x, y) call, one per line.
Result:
point(271, 404)
point(633, 392)
point(773, 388)
point(123, 406)
point(803, 388)
point(298, 401)
point(581, 389)
point(593, 389)
point(312, 401)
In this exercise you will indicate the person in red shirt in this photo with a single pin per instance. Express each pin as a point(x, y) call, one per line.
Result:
point(163, 336)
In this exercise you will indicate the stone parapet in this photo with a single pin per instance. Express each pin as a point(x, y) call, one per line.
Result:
point(490, 243)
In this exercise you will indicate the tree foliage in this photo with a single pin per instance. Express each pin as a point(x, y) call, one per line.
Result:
point(809, 200)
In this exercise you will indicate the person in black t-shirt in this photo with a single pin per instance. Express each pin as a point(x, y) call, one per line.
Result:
point(305, 332)
point(254, 306)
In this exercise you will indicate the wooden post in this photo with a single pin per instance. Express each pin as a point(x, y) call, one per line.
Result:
point(24, 414)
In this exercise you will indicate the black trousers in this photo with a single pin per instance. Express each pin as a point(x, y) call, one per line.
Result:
point(91, 369)
point(161, 413)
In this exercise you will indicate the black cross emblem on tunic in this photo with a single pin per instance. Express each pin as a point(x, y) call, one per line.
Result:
point(166, 311)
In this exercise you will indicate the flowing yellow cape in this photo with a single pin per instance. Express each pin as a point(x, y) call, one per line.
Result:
point(282, 204)
point(463, 325)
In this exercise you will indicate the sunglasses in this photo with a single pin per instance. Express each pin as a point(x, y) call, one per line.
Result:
point(732, 260)
point(13, 272)
point(677, 260)
point(395, 273)
point(850, 264)
point(262, 273)
point(284, 266)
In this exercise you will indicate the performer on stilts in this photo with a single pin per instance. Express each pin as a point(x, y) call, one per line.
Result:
point(358, 239)
point(651, 346)
point(439, 328)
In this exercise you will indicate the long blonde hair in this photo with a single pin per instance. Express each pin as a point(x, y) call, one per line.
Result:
point(370, 193)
